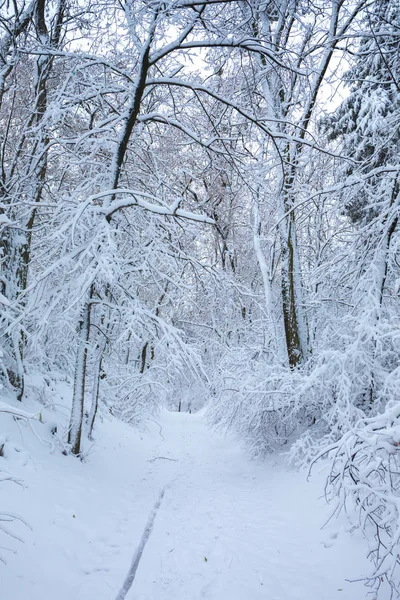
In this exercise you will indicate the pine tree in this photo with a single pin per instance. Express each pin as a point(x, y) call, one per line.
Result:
point(367, 122)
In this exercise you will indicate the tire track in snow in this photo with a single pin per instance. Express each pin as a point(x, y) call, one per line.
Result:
point(140, 549)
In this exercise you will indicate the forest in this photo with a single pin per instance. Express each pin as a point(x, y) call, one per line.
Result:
point(199, 205)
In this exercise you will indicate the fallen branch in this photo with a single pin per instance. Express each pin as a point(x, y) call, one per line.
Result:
point(16, 412)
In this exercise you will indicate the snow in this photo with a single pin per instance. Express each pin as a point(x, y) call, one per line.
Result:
point(227, 527)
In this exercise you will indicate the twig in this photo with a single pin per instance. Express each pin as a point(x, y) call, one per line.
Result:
point(160, 432)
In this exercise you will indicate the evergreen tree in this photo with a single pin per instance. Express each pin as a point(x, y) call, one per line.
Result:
point(368, 120)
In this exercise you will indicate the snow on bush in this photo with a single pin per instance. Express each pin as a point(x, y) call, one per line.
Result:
point(6, 518)
point(365, 482)
point(256, 399)
point(269, 404)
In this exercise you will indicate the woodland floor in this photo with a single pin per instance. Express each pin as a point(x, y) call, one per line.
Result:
point(227, 529)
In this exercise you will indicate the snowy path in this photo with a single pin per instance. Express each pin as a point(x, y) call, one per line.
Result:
point(227, 529)
point(230, 529)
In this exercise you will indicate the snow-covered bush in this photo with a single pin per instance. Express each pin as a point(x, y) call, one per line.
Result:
point(350, 375)
point(7, 518)
point(270, 404)
point(365, 482)
point(257, 400)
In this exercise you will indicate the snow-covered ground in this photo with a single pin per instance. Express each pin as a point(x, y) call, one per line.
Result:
point(227, 528)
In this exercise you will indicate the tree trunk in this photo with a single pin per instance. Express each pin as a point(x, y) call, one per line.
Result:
point(78, 398)
point(95, 393)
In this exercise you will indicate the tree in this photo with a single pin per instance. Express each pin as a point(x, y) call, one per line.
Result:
point(367, 124)
point(290, 105)
point(142, 107)
point(24, 158)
